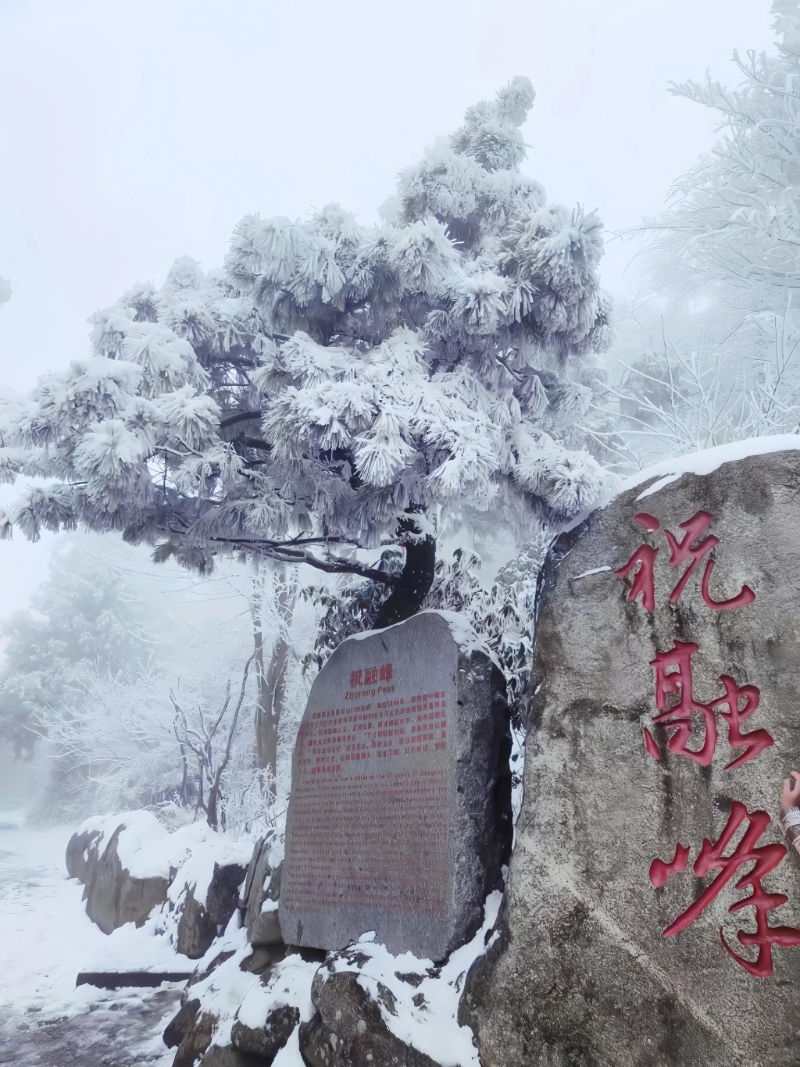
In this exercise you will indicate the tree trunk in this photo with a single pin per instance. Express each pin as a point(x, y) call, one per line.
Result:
point(212, 808)
point(262, 706)
point(412, 585)
point(276, 687)
point(272, 679)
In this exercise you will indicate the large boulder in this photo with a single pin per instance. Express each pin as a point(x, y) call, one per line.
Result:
point(399, 818)
point(666, 714)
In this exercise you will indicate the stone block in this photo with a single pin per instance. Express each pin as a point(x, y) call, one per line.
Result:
point(399, 818)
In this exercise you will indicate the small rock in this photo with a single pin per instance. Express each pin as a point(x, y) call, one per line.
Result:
point(262, 958)
point(196, 928)
point(266, 930)
point(262, 883)
point(267, 1041)
point(181, 1024)
point(200, 922)
point(228, 1056)
point(196, 1040)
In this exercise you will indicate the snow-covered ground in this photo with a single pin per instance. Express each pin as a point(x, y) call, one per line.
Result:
point(45, 940)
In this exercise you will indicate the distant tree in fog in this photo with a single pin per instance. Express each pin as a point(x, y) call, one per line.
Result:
point(80, 618)
point(735, 217)
point(728, 248)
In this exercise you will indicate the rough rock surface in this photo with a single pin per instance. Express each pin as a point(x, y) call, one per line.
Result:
point(82, 854)
point(180, 1025)
point(200, 922)
point(399, 817)
point(113, 896)
point(349, 1029)
point(261, 917)
point(256, 882)
point(229, 1056)
point(195, 1041)
point(259, 903)
point(266, 1041)
point(582, 973)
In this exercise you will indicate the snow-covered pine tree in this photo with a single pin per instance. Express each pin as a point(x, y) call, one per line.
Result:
point(338, 384)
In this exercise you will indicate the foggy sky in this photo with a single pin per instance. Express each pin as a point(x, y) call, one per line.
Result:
point(136, 131)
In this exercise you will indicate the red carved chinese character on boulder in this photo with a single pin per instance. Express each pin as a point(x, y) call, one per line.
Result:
point(678, 718)
point(753, 742)
point(680, 551)
point(764, 858)
point(642, 563)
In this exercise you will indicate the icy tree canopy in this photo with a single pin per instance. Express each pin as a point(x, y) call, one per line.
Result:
point(332, 377)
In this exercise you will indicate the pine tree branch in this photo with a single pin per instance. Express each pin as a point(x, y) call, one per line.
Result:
point(283, 553)
point(241, 416)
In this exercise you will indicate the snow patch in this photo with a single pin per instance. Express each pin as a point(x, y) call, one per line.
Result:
point(669, 470)
point(147, 850)
point(144, 846)
point(289, 983)
point(460, 628)
point(431, 1024)
point(594, 570)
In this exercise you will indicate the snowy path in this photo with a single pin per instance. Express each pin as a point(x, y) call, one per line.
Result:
point(45, 939)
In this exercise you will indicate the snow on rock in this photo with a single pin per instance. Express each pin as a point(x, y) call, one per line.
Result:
point(204, 850)
point(707, 460)
point(421, 1009)
point(145, 848)
point(460, 627)
point(669, 470)
point(289, 984)
point(222, 992)
point(425, 1014)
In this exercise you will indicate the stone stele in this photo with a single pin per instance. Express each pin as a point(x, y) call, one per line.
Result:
point(399, 819)
point(582, 972)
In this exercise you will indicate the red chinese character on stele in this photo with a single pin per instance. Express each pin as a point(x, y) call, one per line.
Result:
point(674, 677)
point(370, 676)
point(642, 563)
point(765, 858)
point(385, 673)
point(356, 678)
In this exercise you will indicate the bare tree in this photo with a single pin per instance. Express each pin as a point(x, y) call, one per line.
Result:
point(210, 746)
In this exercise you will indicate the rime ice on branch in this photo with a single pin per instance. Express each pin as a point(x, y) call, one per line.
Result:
point(335, 383)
